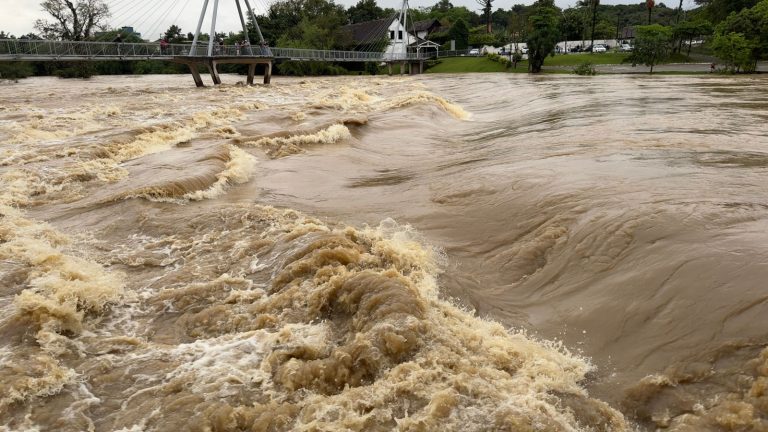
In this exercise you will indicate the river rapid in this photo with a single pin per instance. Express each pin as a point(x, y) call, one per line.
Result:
point(470, 252)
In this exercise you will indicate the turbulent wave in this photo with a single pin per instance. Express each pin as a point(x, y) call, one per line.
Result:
point(59, 290)
point(420, 97)
point(315, 326)
point(226, 166)
point(284, 144)
point(725, 390)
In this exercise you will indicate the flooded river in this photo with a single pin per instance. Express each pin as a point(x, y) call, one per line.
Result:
point(470, 252)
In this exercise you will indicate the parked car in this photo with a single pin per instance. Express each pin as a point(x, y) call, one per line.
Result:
point(599, 49)
point(474, 52)
point(625, 48)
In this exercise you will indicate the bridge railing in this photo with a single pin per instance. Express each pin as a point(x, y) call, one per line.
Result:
point(49, 49)
point(65, 49)
point(338, 55)
point(456, 53)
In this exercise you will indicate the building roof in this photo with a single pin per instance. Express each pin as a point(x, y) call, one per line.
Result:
point(426, 25)
point(368, 30)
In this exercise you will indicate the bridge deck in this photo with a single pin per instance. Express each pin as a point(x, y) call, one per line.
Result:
point(45, 50)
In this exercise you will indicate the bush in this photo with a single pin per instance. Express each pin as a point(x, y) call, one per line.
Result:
point(76, 70)
point(586, 69)
point(735, 51)
point(499, 59)
point(15, 71)
point(310, 68)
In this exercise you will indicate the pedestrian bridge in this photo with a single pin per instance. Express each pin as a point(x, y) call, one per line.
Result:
point(190, 54)
point(50, 50)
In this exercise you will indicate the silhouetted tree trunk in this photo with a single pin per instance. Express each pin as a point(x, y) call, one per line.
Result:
point(650, 4)
point(488, 9)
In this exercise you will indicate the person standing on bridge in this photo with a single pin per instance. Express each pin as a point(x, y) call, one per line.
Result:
point(163, 46)
point(119, 41)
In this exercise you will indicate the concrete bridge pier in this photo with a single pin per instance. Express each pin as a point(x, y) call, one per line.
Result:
point(195, 74)
point(214, 70)
point(251, 74)
point(194, 64)
point(267, 73)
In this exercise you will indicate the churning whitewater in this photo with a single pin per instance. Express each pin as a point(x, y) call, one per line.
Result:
point(374, 253)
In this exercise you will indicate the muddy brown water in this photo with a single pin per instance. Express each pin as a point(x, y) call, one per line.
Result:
point(470, 252)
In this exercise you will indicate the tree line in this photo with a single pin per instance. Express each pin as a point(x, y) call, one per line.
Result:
point(736, 30)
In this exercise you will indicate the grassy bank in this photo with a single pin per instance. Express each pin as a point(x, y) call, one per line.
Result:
point(483, 64)
point(468, 64)
point(563, 63)
point(579, 58)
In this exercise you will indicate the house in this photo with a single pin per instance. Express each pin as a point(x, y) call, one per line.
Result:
point(389, 36)
point(424, 28)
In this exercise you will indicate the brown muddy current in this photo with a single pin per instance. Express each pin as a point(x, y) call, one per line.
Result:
point(468, 253)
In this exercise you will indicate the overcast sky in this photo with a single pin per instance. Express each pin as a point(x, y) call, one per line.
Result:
point(152, 17)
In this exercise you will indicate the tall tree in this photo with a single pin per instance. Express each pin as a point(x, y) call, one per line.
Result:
point(487, 9)
point(443, 5)
point(72, 21)
point(459, 32)
point(650, 4)
point(718, 10)
point(365, 10)
point(544, 34)
point(592, 5)
point(174, 34)
point(652, 45)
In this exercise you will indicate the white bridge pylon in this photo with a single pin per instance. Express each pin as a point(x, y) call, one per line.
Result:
point(214, 13)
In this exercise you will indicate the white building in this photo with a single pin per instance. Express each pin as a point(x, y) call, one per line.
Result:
point(370, 36)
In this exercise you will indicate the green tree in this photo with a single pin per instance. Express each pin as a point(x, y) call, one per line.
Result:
point(443, 5)
point(365, 10)
point(718, 10)
point(652, 45)
point(735, 50)
point(460, 33)
point(72, 21)
point(174, 34)
point(303, 23)
point(487, 8)
point(571, 24)
point(752, 24)
point(690, 30)
point(544, 33)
